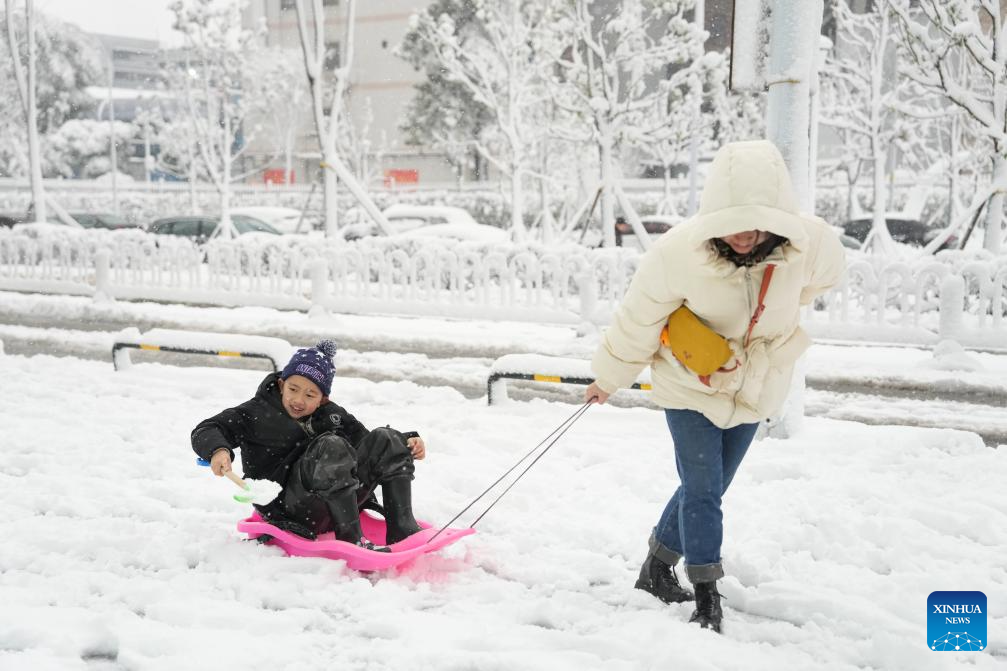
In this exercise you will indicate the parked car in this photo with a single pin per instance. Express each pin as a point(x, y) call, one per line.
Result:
point(107, 220)
point(199, 228)
point(905, 230)
point(451, 223)
point(284, 219)
point(466, 232)
point(846, 240)
point(654, 224)
point(8, 219)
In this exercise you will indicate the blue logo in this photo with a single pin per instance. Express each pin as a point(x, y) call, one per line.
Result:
point(956, 621)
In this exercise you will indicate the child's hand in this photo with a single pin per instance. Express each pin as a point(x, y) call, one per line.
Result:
point(220, 462)
point(417, 446)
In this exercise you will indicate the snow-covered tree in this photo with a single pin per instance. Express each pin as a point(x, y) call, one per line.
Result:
point(443, 113)
point(614, 68)
point(220, 91)
point(863, 97)
point(496, 57)
point(665, 131)
point(25, 76)
point(328, 89)
point(958, 48)
point(79, 148)
point(285, 96)
point(67, 62)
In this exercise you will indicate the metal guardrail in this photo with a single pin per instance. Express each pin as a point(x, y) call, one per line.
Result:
point(116, 347)
point(536, 377)
point(274, 350)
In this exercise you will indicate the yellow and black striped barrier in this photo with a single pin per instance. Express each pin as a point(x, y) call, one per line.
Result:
point(149, 347)
point(535, 377)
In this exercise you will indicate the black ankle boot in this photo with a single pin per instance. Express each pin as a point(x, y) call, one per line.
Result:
point(397, 499)
point(346, 521)
point(659, 579)
point(708, 613)
point(273, 513)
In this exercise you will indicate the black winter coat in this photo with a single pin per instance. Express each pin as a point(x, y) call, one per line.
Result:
point(271, 440)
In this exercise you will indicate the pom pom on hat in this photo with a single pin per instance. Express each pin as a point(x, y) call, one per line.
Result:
point(314, 363)
point(327, 347)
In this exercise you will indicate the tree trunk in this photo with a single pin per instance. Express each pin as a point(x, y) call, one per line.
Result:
point(548, 223)
point(607, 200)
point(313, 48)
point(34, 155)
point(288, 159)
point(517, 205)
point(881, 236)
point(330, 194)
point(192, 179)
point(993, 238)
point(666, 207)
point(225, 228)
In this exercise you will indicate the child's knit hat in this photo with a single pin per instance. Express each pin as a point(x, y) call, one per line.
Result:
point(314, 363)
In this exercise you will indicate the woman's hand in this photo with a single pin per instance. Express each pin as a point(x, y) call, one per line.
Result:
point(417, 447)
point(220, 462)
point(595, 394)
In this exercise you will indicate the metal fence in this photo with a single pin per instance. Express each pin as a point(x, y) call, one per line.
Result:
point(953, 295)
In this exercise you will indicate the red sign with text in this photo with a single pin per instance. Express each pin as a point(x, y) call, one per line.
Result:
point(395, 176)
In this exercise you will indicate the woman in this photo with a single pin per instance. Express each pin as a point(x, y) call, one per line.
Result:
point(744, 265)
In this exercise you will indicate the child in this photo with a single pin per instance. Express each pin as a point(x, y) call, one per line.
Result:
point(326, 461)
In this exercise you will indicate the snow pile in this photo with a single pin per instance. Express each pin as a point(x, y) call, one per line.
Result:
point(119, 550)
point(949, 355)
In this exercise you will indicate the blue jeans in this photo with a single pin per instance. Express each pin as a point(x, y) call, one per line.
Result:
point(692, 525)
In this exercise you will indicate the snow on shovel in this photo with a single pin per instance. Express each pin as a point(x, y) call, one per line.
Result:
point(246, 496)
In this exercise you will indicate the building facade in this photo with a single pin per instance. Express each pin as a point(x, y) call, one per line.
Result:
point(380, 88)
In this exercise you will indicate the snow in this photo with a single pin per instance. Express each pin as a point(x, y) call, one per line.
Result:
point(118, 548)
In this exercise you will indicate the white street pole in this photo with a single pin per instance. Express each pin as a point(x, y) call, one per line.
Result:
point(793, 59)
point(699, 18)
point(793, 52)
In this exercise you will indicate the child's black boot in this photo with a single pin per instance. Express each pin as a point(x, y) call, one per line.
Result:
point(397, 498)
point(346, 521)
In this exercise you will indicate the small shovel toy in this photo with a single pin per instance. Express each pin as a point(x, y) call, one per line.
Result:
point(246, 496)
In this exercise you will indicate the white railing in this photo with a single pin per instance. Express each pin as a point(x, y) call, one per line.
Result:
point(953, 295)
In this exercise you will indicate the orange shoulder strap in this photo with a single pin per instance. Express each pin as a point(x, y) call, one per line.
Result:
point(766, 278)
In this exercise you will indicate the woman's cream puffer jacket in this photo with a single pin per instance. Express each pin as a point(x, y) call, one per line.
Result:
point(748, 188)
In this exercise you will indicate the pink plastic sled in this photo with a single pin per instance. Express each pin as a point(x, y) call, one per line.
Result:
point(356, 558)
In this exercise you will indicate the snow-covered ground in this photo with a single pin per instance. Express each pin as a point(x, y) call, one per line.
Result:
point(119, 552)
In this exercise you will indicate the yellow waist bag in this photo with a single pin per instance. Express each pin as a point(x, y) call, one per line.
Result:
point(701, 349)
point(697, 347)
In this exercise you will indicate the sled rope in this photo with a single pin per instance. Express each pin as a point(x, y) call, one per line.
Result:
point(557, 432)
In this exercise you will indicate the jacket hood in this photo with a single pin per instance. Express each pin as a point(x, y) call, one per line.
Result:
point(269, 390)
point(748, 188)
